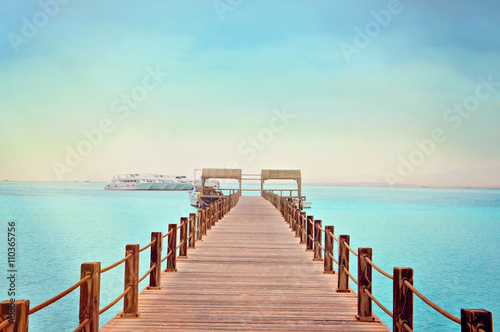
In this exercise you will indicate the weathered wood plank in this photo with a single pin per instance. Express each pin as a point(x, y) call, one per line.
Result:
point(249, 273)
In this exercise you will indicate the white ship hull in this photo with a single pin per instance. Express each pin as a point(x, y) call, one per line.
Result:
point(148, 182)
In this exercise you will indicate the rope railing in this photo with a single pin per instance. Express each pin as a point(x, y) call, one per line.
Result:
point(407, 327)
point(147, 246)
point(333, 258)
point(432, 304)
point(90, 272)
point(112, 266)
point(59, 296)
point(103, 310)
point(180, 225)
point(333, 236)
point(170, 232)
point(320, 246)
point(369, 261)
point(180, 244)
point(350, 275)
point(165, 258)
point(147, 273)
point(370, 295)
point(350, 249)
point(5, 324)
point(402, 277)
point(82, 325)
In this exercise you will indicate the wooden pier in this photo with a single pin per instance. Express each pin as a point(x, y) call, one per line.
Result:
point(250, 273)
point(245, 263)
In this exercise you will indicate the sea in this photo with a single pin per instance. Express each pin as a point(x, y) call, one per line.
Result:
point(449, 237)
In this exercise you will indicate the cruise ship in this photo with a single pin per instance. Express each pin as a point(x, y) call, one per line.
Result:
point(149, 182)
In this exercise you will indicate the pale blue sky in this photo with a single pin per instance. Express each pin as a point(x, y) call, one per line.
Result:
point(352, 119)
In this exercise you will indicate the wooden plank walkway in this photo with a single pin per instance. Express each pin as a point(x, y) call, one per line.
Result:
point(249, 273)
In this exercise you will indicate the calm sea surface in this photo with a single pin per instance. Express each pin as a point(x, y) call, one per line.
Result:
point(450, 237)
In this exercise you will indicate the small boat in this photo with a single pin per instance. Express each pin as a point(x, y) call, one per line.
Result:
point(212, 187)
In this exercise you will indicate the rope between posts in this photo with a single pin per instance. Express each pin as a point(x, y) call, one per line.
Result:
point(168, 255)
point(350, 249)
point(320, 246)
point(310, 221)
point(180, 226)
point(147, 273)
point(149, 245)
point(336, 262)
point(333, 236)
point(369, 261)
point(60, 295)
point(170, 232)
point(321, 229)
point(82, 324)
point(309, 236)
point(112, 266)
point(5, 324)
point(350, 275)
point(407, 327)
point(180, 244)
point(432, 304)
point(103, 310)
point(378, 303)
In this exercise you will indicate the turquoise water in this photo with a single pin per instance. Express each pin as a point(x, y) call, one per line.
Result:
point(449, 237)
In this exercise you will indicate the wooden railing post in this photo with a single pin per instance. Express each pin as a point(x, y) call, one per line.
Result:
point(476, 320)
point(17, 312)
point(317, 241)
point(208, 214)
point(303, 227)
point(156, 249)
point(204, 221)
point(343, 279)
point(192, 230)
point(296, 222)
point(310, 232)
point(403, 299)
point(131, 299)
point(183, 242)
point(199, 234)
point(172, 244)
point(364, 282)
point(223, 204)
point(213, 214)
point(89, 296)
point(328, 262)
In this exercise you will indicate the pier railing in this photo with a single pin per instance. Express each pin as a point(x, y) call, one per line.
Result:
point(14, 316)
point(311, 234)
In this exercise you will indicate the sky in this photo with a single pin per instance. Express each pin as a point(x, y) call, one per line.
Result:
point(390, 92)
